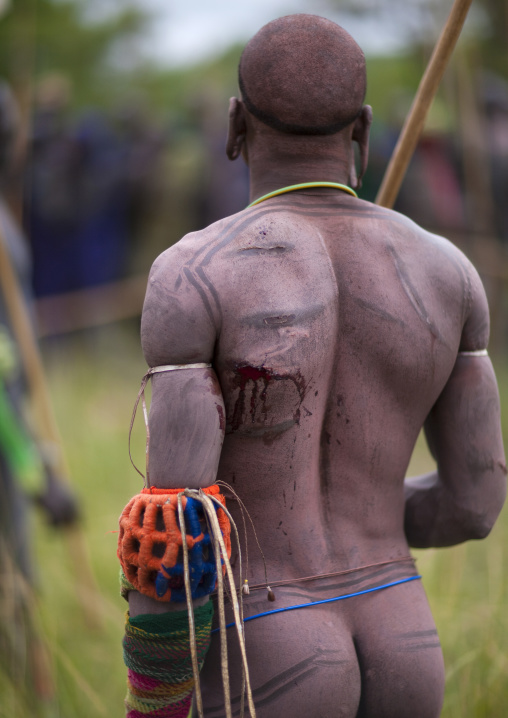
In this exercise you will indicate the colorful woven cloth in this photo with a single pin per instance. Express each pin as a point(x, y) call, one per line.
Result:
point(160, 681)
point(150, 543)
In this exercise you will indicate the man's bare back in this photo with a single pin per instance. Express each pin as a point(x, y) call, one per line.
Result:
point(336, 330)
point(333, 326)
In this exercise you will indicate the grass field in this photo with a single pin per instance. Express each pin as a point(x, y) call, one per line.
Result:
point(94, 381)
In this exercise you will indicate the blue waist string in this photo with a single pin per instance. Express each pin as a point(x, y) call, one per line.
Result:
point(326, 600)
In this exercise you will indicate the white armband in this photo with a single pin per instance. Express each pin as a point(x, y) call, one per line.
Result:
point(176, 367)
point(479, 353)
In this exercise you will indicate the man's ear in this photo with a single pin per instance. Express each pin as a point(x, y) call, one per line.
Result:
point(361, 131)
point(237, 129)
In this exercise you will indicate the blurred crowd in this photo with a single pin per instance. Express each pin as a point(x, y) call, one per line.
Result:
point(457, 181)
point(89, 185)
point(104, 193)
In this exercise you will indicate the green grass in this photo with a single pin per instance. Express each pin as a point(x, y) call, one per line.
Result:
point(94, 381)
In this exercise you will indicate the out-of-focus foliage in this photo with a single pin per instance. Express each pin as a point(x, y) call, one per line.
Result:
point(177, 90)
point(99, 59)
point(99, 56)
point(494, 45)
point(421, 20)
point(38, 37)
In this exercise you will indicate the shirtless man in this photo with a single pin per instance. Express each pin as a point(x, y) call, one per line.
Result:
point(336, 330)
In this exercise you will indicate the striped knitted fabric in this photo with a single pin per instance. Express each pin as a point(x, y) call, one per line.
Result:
point(125, 586)
point(157, 654)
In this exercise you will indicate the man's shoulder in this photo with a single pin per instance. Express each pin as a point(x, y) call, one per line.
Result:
point(436, 262)
point(201, 245)
point(204, 249)
point(409, 237)
point(183, 302)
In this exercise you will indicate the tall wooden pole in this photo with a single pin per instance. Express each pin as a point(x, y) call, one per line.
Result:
point(415, 120)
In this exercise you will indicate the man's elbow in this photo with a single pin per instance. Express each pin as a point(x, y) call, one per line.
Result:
point(477, 527)
point(478, 520)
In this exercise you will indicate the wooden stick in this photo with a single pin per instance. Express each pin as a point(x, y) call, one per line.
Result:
point(90, 307)
point(415, 120)
point(47, 430)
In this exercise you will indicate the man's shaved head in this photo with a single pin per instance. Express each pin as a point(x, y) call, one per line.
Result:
point(303, 74)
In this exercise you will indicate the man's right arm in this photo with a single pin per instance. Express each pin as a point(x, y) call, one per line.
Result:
point(187, 415)
point(462, 499)
point(186, 425)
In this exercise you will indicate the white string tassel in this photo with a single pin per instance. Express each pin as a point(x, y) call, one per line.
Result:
point(190, 609)
point(208, 504)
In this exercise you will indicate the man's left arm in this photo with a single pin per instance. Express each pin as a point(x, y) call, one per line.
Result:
point(463, 497)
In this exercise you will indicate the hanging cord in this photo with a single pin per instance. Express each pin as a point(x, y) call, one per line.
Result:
point(220, 601)
point(222, 622)
point(243, 508)
point(141, 397)
point(190, 609)
point(236, 603)
point(291, 581)
point(220, 553)
point(236, 611)
point(233, 524)
point(245, 586)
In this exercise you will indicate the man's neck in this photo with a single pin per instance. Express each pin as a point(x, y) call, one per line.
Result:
point(272, 170)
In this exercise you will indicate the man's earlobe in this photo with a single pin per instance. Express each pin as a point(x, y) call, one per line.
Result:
point(361, 130)
point(237, 129)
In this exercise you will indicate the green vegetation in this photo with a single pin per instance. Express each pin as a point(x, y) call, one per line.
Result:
point(38, 37)
point(94, 381)
point(100, 58)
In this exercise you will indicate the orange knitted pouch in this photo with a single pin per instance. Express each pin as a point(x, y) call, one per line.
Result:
point(150, 543)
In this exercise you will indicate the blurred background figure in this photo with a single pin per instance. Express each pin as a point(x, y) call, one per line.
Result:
point(222, 188)
point(494, 97)
point(25, 471)
point(77, 183)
